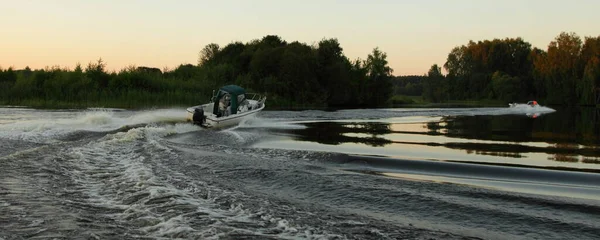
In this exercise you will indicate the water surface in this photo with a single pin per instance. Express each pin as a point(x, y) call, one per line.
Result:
point(458, 173)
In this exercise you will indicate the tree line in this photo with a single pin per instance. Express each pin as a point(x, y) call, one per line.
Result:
point(300, 75)
point(296, 74)
point(290, 74)
point(567, 73)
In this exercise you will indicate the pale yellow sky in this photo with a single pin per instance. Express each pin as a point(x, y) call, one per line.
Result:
point(156, 33)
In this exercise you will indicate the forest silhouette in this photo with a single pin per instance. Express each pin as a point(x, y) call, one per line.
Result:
point(297, 75)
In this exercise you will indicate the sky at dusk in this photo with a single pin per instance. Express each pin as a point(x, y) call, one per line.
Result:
point(153, 33)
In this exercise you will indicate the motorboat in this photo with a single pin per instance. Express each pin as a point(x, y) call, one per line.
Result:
point(532, 104)
point(531, 109)
point(228, 107)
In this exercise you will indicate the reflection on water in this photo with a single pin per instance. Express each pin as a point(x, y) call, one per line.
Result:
point(568, 138)
point(334, 133)
point(565, 127)
point(595, 160)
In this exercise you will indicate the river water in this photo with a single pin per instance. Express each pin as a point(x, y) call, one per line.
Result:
point(449, 173)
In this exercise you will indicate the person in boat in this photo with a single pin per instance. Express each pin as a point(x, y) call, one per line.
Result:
point(532, 103)
point(225, 105)
point(242, 103)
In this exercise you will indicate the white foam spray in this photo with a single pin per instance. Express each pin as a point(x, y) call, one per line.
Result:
point(257, 122)
point(47, 129)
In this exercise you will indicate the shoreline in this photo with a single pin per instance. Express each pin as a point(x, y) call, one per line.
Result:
point(125, 105)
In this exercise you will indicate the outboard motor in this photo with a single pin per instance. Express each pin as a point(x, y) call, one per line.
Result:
point(199, 117)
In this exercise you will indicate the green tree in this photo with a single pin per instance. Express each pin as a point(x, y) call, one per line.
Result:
point(8, 75)
point(506, 87)
point(333, 71)
point(470, 67)
point(589, 87)
point(291, 74)
point(359, 91)
point(298, 68)
point(457, 62)
point(379, 75)
point(559, 68)
point(433, 86)
point(207, 53)
point(97, 73)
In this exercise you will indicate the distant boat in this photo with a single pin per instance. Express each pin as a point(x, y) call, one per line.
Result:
point(228, 107)
point(532, 104)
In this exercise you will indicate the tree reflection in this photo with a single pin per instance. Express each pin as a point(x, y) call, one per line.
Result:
point(567, 131)
point(564, 158)
point(592, 160)
point(566, 136)
point(579, 126)
point(495, 153)
point(335, 133)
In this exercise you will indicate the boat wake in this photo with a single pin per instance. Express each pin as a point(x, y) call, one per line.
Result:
point(524, 179)
point(265, 123)
point(106, 174)
point(44, 128)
